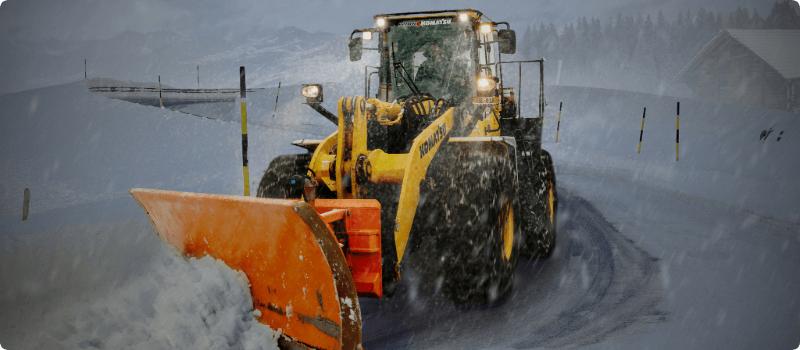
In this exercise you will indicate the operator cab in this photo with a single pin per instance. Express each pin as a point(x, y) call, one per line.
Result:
point(449, 54)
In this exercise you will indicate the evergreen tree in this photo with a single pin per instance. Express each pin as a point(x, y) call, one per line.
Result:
point(757, 22)
point(783, 16)
point(662, 24)
point(527, 43)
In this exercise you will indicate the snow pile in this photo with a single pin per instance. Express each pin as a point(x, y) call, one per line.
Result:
point(194, 304)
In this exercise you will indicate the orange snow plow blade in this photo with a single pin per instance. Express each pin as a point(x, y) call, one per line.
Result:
point(300, 280)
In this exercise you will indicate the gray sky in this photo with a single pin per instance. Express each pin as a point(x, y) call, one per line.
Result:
point(95, 19)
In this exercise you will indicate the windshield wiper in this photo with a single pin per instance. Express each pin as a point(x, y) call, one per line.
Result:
point(406, 78)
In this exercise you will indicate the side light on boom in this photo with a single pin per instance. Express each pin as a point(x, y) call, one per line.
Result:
point(366, 35)
point(311, 91)
point(486, 28)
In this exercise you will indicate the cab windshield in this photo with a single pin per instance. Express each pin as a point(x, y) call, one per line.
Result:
point(437, 54)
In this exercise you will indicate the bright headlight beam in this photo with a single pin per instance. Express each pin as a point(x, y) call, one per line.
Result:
point(366, 35)
point(486, 28)
point(463, 17)
point(486, 84)
point(380, 22)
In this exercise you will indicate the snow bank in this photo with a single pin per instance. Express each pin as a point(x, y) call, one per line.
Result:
point(194, 304)
point(86, 270)
point(722, 156)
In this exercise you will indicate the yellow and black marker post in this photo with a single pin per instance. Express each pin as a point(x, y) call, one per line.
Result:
point(642, 131)
point(26, 202)
point(245, 172)
point(558, 126)
point(276, 100)
point(678, 133)
point(159, 92)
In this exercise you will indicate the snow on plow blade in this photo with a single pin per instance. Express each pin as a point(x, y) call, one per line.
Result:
point(299, 278)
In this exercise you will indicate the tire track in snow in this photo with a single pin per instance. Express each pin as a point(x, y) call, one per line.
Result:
point(597, 285)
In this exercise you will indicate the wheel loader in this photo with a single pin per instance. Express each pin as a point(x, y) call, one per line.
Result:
point(438, 166)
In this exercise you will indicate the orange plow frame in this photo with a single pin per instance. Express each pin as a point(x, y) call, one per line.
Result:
point(300, 276)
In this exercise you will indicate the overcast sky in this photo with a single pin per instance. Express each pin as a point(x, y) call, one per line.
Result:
point(94, 19)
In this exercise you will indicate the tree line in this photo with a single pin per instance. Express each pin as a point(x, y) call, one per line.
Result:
point(638, 53)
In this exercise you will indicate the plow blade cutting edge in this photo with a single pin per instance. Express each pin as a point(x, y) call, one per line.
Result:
point(300, 280)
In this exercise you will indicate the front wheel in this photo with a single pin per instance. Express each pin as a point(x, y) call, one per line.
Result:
point(541, 209)
point(276, 181)
point(478, 241)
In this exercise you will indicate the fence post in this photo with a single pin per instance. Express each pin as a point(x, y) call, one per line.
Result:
point(558, 126)
point(198, 76)
point(84, 69)
point(245, 171)
point(678, 132)
point(642, 131)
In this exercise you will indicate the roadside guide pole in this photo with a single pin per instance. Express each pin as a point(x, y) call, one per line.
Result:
point(160, 104)
point(678, 132)
point(26, 201)
point(642, 131)
point(276, 100)
point(558, 126)
point(245, 172)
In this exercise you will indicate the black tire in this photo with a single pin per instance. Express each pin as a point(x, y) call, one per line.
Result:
point(540, 205)
point(275, 183)
point(478, 257)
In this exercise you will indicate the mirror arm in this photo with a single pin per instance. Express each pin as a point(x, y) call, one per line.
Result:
point(324, 112)
point(508, 26)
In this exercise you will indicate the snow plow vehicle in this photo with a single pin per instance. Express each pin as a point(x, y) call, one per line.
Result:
point(438, 166)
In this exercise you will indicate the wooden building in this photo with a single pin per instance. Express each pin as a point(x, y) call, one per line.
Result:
point(758, 68)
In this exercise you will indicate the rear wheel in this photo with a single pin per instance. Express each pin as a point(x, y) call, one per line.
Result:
point(541, 209)
point(276, 182)
point(478, 240)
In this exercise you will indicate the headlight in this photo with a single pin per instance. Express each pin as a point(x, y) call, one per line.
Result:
point(380, 22)
point(366, 35)
point(486, 28)
point(311, 91)
point(486, 84)
point(463, 17)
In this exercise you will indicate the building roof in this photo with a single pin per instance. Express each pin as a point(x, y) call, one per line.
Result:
point(778, 48)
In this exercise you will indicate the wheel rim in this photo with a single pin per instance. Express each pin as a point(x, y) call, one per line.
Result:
point(551, 199)
point(508, 233)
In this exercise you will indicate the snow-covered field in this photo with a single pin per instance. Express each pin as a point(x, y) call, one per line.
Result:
point(652, 253)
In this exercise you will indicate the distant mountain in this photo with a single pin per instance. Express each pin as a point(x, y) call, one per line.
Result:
point(289, 55)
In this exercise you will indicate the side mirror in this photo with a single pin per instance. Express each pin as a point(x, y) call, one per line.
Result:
point(507, 41)
point(356, 46)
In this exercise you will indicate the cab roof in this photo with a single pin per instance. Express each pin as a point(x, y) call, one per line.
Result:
point(439, 13)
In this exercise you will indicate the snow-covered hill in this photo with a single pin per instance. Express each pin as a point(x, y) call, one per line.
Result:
point(310, 57)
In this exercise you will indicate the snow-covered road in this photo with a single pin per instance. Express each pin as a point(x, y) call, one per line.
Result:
point(636, 267)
